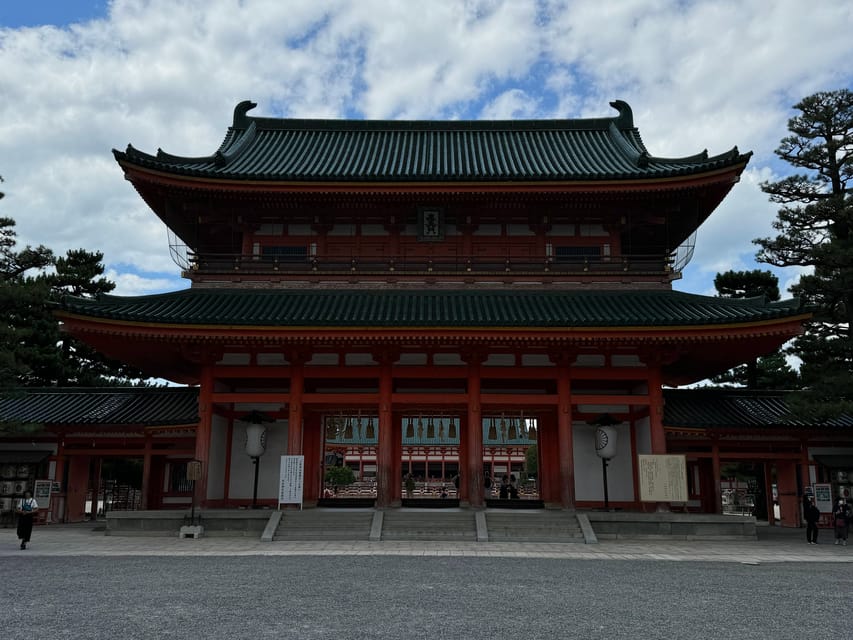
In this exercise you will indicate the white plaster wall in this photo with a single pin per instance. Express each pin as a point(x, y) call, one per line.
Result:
point(643, 430)
point(242, 469)
point(589, 483)
point(216, 461)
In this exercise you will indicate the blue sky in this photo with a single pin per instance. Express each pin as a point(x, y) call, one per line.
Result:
point(33, 13)
point(81, 77)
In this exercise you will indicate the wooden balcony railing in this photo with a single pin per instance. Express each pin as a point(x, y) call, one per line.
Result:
point(423, 265)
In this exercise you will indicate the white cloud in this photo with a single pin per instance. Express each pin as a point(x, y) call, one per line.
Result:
point(167, 73)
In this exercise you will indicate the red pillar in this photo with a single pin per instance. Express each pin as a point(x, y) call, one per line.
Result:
point(658, 437)
point(75, 491)
point(146, 471)
point(312, 446)
point(294, 421)
point(462, 492)
point(715, 473)
point(387, 487)
point(565, 445)
point(397, 456)
point(203, 431)
point(472, 475)
point(549, 459)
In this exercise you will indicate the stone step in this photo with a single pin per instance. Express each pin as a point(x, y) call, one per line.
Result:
point(316, 525)
point(533, 526)
point(429, 525)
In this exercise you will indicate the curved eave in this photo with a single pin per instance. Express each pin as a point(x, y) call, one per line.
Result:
point(790, 325)
point(139, 173)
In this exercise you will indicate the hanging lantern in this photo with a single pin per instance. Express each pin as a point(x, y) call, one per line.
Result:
point(531, 432)
point(451, 430)
point(493, 432)
point(256, 440)
point(348, 429)
point(369, 430)
point(430, 429)
point(410, 428)
point(441, 429)
point(503, 428)
point(605, 436)
point(256, 433)
point(421, 428)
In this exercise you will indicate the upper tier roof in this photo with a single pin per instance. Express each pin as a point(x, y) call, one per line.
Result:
point(441, 308)
point(276, 150)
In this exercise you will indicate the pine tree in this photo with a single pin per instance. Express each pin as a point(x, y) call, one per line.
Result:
point(815, 230)
point(22, 299)
point(771, 371)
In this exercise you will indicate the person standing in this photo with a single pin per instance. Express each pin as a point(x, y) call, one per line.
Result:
point(841, 519)
point(487, 485)
point(26, 511)
point(811, 514)
point(503, 492)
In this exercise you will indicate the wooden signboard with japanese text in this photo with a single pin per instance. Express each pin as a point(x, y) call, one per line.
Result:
point(663, 478)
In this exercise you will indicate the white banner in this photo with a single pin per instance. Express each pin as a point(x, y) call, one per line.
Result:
point(291, 477)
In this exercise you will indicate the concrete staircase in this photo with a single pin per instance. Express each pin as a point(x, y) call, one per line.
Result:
point(324, 524)
point(449, 525)
point(429, 524)
point(533, 526)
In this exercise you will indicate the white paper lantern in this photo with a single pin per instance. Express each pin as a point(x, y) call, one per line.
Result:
point(605, 442)
point(256, 440)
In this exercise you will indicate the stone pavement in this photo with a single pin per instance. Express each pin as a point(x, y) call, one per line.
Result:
point(774, 545)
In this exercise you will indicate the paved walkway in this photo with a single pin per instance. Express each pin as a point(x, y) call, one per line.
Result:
point(773, 545)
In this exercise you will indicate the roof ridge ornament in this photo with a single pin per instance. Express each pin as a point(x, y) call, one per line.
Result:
point(241, 120)
point(625, 119)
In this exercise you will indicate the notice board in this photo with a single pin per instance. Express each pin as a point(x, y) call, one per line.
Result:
point(663, 478)
point(291, 478)
point(41, 492)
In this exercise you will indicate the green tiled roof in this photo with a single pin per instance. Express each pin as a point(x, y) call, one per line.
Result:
point(439, 308)
point(102, 406)
point(734, 408)
point(270, 149)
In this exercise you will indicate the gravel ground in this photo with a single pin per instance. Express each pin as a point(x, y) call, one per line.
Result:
point(358, 597)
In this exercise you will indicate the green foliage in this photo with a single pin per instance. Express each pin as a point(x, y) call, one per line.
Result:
point(531, 460)
point(747, 284)
point(33, 350)
point(22, 301)
point(339, 476)
point(815, 231)
point(769, 372)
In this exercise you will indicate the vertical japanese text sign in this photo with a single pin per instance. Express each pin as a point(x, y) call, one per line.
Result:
point(291, 479)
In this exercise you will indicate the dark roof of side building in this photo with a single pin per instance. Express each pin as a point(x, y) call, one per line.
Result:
point(721, 408)
point(583, 149)
point(148, 406)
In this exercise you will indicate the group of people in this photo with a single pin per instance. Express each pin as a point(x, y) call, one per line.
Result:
point(508, 488)
point(841, 519)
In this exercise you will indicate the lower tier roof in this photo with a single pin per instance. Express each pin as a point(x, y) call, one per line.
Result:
point(707, 408)
point(430, 308)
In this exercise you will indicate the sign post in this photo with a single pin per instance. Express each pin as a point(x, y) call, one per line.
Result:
point(291, 480)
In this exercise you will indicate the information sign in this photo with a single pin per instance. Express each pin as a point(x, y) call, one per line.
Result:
point(291, 479)
point(41, 492)
point(663, 478)
point(823, 497)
